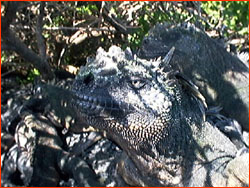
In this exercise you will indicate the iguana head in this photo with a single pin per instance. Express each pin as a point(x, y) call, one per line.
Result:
point(117, 86)
point(138, 102)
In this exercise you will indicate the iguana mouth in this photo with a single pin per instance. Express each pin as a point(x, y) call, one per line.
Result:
point(100, 106)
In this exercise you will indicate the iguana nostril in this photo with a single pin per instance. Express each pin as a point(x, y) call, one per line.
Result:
point(88, 78)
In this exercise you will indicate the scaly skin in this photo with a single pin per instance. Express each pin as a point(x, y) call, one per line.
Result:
point(222, 78)
point(157, 123)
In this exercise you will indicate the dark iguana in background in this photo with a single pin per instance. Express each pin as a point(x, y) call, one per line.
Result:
point(158, 123)
point(222, 78)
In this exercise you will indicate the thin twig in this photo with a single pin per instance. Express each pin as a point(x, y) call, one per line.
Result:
point(39, 30)
point(9, 38)
point(6, 73)
point(77, 29)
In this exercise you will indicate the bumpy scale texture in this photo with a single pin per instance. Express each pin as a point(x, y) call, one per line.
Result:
point(222, 78)
point(156, 121)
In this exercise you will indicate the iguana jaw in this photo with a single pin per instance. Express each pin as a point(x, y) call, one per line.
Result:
point(99, 106)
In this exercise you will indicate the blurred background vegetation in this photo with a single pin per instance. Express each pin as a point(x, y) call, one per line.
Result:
point(72, 31)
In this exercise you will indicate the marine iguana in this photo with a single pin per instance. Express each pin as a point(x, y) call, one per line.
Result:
point(221, 77)
point(157, 122)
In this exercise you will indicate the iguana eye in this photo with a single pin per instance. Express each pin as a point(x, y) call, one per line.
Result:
point(137, 83)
